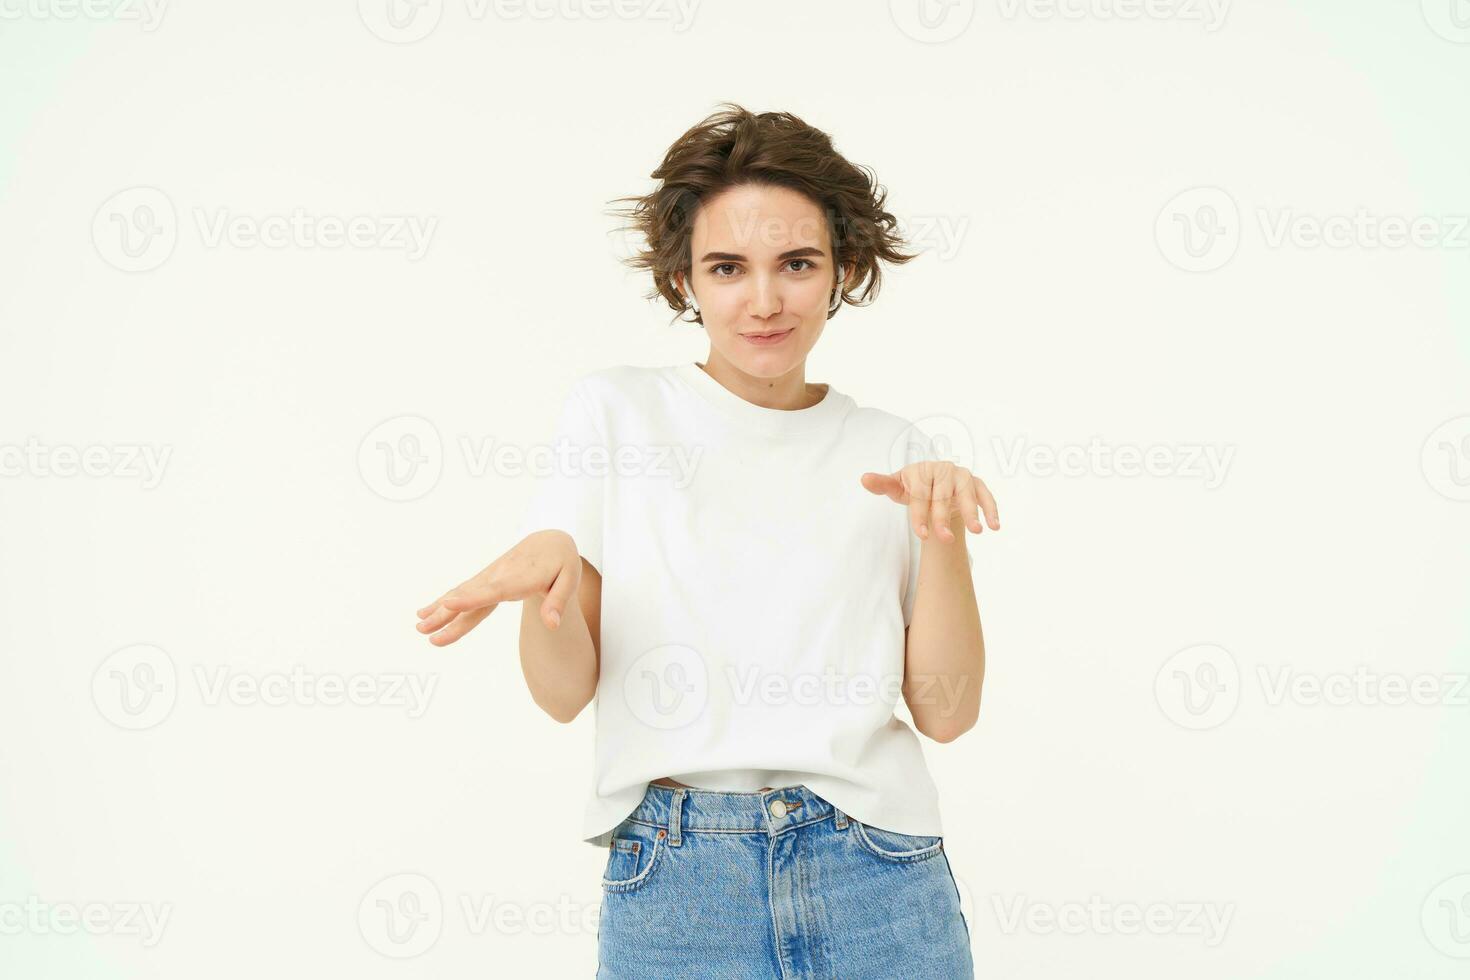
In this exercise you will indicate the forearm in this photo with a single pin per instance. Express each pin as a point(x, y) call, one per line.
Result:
point(560, 665)
point(944, 656)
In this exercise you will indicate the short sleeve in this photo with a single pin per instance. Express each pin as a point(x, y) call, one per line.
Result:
point(911, 588)
point(569, 476)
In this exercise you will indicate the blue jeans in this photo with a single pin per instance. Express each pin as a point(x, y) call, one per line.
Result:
point(779, 884)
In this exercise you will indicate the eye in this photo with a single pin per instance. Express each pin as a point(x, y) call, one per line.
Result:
point(722, 265)
point(809, 262)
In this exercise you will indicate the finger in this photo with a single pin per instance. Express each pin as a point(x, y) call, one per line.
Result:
point(887, 484)
point(939, 507)
point(919, 511)
point(462, 624)
point(968, 506)
point(987, 503)
point(425, 610)
point(479, 591)
point(560, 593)
point(435, 620)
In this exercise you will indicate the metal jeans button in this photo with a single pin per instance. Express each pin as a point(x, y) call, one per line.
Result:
point(778, 808)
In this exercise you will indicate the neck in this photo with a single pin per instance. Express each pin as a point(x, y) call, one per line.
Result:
point(787, 392)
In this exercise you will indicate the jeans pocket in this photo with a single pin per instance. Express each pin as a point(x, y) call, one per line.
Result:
point(636, 850)
point(893, 846)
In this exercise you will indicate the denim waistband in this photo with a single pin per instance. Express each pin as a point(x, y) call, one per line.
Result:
point(683, 810)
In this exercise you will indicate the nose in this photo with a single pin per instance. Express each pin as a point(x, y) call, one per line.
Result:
point(764, 300)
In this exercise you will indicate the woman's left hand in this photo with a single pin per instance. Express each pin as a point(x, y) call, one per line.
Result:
point(933, 491)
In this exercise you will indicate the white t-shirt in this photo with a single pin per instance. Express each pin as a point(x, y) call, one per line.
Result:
point(754, 593)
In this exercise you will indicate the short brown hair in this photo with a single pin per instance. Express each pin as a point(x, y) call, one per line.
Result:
point(734, 147)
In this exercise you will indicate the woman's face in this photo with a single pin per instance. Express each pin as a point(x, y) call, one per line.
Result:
point(762, 264)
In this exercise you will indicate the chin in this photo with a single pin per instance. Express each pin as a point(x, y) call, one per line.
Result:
point(771, 362)
point(768, 364)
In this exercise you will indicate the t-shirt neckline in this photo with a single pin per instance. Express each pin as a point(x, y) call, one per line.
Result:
point(769, 419)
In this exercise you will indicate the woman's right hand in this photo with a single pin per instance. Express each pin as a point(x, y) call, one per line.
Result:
point(545, 565)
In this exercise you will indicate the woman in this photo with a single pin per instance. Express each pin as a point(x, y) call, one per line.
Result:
point(759, 575)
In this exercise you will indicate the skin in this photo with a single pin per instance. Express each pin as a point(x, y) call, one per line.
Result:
point(761, 262)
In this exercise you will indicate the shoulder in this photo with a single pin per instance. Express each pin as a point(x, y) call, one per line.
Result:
point(617, 384)
point(879, 421)
point(901, 440)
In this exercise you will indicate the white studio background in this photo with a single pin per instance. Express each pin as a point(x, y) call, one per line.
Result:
point(1226, 719)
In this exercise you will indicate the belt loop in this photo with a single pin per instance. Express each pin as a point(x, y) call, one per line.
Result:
point(675, 818)
point(841, 819)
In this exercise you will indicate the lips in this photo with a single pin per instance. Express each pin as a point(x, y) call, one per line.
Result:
point(766, 339)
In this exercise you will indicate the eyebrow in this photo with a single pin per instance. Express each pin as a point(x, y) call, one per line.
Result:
point(732, 257)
